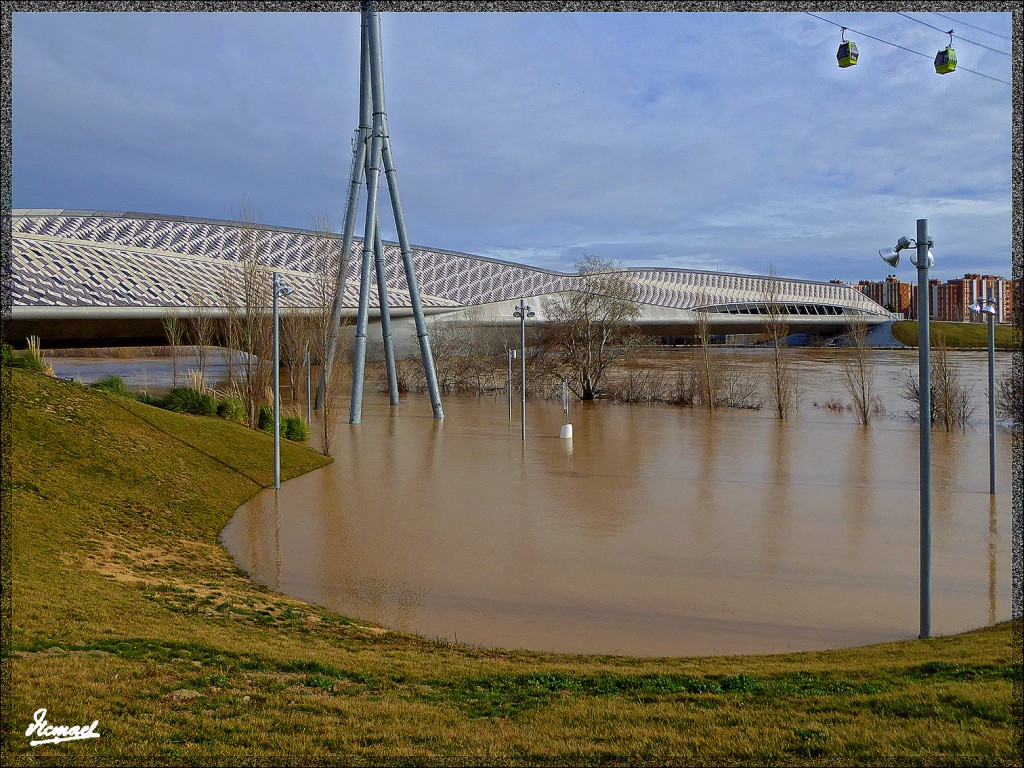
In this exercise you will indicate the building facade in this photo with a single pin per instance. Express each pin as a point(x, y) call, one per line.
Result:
point(949, 301)
point(892, 293)
point(96, 277)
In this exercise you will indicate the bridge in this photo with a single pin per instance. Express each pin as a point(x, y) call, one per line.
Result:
point(107, 278)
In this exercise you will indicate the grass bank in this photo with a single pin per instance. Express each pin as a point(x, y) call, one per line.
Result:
point(959, 335)
point(127, 611)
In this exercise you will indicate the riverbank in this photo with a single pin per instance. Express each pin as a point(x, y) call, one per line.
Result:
point(959, 335)
point(127, 610)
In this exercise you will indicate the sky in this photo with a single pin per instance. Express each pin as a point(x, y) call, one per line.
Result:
point(723, 141)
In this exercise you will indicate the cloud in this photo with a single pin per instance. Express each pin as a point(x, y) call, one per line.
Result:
point(726, 140)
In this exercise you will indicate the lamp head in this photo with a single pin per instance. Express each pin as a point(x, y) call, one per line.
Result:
point(280, 287)
point(890, 256)
point(983, 307)
point(929, 260)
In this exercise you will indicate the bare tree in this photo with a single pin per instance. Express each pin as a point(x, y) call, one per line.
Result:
point(591, 326)
point(782, 382)
point(201, 327)
point(950, 401)
point(641, 385)
point(732, 386)
point(709, 373)
point(467, 355)
point(174, 330)
point(295, 343)
point(952, 398)
point(327, 255)
point(738, 387)
point(859, 372)
point(255, 333)
point(229, 330)
point(1010, 399)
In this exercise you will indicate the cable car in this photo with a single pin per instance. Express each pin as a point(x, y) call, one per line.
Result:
point(847, 53)
point(945, 60)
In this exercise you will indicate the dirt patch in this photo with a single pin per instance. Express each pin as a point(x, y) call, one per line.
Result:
point(200, 578)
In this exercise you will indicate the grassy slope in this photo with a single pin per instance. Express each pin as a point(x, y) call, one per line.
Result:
point(960, 335)
point(127, 611)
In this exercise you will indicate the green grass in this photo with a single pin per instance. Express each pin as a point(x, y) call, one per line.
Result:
point(114, 385)
point(126, 610)
point(189, 400)
point(24, 359)
point(958, 335)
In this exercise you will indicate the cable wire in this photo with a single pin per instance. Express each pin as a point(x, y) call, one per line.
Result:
point(972, 26)
point(958, 37)
point(903, 48)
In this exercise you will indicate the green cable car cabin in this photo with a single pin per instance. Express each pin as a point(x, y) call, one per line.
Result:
point(847, 54)
point(945, 60)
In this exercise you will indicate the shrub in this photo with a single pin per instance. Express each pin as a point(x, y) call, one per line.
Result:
point(640, 386)
point(35, 351)
point(188, 400)
point(114, 385)
point(148, 399)
point(21, 360)
point(265, 421)
point(232, 409)
point(296, 428)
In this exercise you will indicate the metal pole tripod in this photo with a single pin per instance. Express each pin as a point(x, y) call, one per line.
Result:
point(367, 160)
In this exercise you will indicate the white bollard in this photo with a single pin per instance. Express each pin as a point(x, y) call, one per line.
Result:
point(566, 433)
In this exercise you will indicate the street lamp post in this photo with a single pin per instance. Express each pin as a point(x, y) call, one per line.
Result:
point(522, 312)
point(923, 261)
point(511, 355)
point(309, 391)
point(280, 291)
point(987, 308)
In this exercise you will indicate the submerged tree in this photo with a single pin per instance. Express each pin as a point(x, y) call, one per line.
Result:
point(466, 354)
point(1010, 399)
point(950, 400)
point(859, 372)
point(782, 383)
point(591, 326)
point(709, 368)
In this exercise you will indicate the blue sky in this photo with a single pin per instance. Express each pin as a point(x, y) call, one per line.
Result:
point(727, 141)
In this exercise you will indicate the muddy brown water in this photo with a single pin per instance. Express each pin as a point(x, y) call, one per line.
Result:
point(655, 531)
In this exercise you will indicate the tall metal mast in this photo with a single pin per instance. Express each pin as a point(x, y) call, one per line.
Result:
point(378, 152)
point(356, 181)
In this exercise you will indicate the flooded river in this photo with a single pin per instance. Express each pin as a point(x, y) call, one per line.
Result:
point(656, 531)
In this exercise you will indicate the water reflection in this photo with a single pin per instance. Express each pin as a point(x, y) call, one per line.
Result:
point(861, 498)
point(664, 531)
point(777, 495)
point(656, 530)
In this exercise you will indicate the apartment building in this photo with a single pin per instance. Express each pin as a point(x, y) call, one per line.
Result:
point(948, 301)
